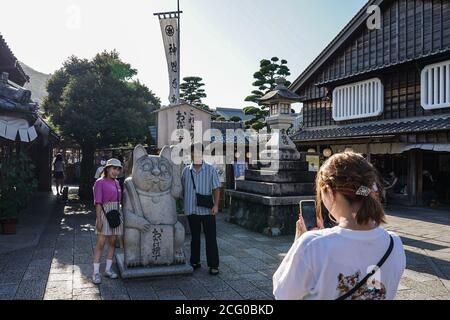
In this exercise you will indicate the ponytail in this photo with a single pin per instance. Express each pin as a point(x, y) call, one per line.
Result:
point(371, 210)
point(346, 173)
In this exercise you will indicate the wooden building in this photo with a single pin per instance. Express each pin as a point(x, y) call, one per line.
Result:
point(384, 91)
point(22, 127)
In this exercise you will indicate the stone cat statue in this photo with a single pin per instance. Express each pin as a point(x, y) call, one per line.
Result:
point(152, 234)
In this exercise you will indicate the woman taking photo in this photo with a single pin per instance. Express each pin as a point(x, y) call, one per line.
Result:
point(109, 221)
point(58, 173)
point(355, 260)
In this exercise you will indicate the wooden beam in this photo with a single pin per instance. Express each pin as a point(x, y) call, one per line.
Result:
point(419, 167)
point(442, 137)
point(412, 177)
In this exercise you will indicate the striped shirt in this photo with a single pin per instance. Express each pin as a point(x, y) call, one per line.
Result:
point(206, 180)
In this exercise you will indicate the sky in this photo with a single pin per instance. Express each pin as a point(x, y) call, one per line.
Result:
point(221, 41)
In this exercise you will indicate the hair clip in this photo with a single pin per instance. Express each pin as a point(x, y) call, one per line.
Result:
point(363, 191)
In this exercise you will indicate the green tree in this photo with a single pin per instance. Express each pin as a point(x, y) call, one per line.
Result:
point(192, 92)
point(265, 79)
point(97, 104)
point(259, 114)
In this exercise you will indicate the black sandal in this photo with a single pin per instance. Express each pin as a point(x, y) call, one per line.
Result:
point(214, 271)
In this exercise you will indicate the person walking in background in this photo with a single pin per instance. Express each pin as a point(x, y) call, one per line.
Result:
point(355, 260)
point(100, 169)
point(58, 173)
point(107, 197)
point(201, 191)
point(429, 189)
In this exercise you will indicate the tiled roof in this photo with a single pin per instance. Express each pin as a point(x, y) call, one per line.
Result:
point(17, 74)
point(229, 113)
point(280, 92)
point(375, 129)
point(15, 99)
point(223, 126)
point(359, 19)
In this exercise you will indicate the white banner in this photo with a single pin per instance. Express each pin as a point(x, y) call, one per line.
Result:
point(10, 126)
point(169, 28)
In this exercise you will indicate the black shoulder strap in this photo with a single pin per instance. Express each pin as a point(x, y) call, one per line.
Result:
point(192, 177)
point(363, 281)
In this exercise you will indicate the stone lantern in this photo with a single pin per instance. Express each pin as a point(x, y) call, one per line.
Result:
point(267, 200)
point(279, 121)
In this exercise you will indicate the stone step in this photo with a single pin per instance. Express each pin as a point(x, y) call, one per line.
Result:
point(275, 189)
point(283, 166)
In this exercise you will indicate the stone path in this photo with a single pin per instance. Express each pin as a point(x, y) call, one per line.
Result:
point(426, 237)
point(60, 265)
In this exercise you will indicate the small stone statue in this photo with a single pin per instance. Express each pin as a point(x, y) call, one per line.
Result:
point(152, 235)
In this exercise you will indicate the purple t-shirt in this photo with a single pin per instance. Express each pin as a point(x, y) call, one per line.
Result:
point(105, 190)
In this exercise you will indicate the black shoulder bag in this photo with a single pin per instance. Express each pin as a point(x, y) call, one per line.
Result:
point(113, 216)
point(205, 201)
point(363, 281)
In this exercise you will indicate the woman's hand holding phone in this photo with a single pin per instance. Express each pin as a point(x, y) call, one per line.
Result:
point(300, 227)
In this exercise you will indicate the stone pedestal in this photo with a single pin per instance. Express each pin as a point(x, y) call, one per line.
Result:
point(149, 272)
point(273, 216)
point(268, 201)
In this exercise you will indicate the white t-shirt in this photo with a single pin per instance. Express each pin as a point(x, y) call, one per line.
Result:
point(326, 264)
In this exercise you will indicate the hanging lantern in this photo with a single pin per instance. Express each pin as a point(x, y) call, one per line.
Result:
point(327, 152)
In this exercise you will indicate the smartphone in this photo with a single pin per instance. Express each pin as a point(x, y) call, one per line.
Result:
point(308, 212)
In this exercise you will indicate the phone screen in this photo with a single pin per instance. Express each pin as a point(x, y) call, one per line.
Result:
point(308, 211)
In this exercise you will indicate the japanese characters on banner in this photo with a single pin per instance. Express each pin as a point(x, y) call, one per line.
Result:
point(169, 28)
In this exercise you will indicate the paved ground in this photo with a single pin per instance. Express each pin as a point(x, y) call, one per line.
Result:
point(426, 238)
point(59, 266)
point(32, 222)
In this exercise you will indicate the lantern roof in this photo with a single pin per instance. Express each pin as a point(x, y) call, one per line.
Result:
point(281, 92)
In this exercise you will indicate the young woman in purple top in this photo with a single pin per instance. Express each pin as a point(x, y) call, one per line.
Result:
point(107, 197)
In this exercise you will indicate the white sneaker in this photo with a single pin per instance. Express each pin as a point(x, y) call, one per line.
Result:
point(97, 278)
point(111, 274)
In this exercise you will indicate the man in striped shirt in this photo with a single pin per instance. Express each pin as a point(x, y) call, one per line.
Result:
point(203, 179)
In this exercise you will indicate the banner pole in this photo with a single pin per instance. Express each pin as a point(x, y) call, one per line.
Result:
point(179, 52)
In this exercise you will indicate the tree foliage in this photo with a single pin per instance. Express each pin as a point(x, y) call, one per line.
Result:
point(265, 78)
point(265, 81)
point(192, 92)
point(97, 104)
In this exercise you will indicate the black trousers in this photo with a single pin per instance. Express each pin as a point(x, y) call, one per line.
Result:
point(209, 228)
